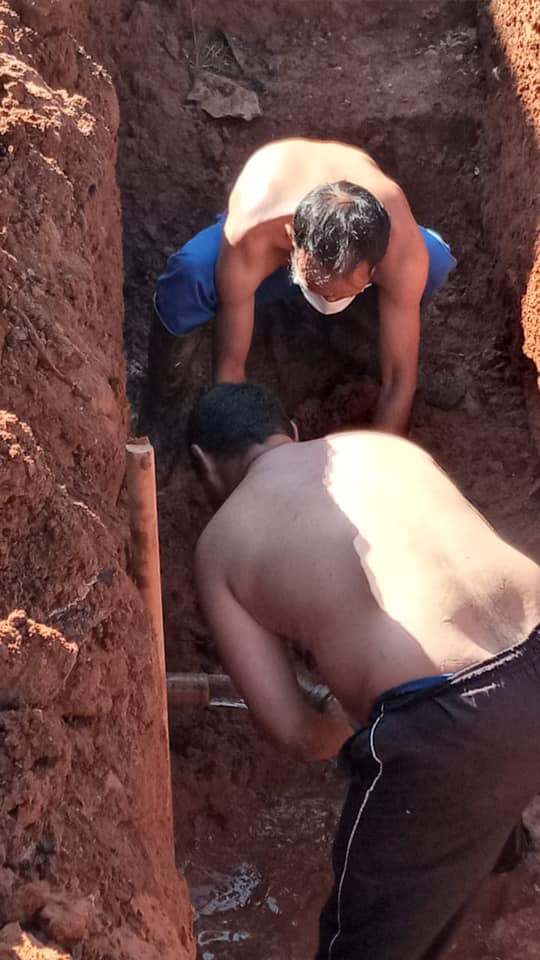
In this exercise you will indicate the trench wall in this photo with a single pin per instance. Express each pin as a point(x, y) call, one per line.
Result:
point(510, 35)
point(86, 845)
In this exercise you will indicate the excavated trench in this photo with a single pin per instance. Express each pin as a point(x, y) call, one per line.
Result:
point(409, 82)
point(444, 95)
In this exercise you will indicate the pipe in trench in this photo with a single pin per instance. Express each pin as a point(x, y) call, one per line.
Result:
point(201, 690)
point(141, 482)
point(217, 690)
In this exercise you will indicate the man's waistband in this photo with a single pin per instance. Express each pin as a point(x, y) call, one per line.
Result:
point(506, 660)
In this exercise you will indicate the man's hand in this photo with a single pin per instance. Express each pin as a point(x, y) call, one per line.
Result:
point(332, 726)
point(402, 282)
point(399, 344)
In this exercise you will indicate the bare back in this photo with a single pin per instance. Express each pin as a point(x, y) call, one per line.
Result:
point(358, 549)
point(280, 174)
point(276, 177)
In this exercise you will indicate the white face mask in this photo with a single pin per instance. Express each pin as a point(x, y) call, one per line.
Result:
point(325, 306)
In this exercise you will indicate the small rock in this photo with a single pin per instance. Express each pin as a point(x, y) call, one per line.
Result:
point(445, 390)
point(222, 97)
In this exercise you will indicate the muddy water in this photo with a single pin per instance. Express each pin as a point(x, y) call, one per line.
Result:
point(258, 881)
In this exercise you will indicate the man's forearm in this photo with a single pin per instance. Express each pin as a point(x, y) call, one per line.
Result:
point(232, 339)
point(394, 409)
point(327, 734)
point(228, 366)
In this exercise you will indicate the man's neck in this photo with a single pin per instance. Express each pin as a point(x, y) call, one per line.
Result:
point(259, 450)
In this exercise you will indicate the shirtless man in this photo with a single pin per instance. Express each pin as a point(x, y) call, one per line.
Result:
point(359, 550)
point(317, 218)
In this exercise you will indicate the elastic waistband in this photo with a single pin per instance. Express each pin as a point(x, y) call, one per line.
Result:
point(527, 650)
point(423, 683)
point(508, 660)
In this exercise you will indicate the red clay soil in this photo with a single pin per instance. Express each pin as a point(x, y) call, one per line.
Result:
point(445, 96)
point(86, 847)
point(511, 43)
point(410, 86)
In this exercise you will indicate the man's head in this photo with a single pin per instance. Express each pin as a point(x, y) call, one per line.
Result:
point(228, 428)
point(340, 231)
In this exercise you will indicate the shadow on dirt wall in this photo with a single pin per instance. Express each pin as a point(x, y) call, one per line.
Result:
point(510, 204)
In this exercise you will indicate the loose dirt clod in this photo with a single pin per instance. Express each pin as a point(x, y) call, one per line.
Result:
point(35, 661)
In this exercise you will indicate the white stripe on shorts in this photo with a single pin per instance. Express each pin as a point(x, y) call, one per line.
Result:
point(367, 795)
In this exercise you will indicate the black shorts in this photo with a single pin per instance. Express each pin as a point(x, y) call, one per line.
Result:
point(439, 779)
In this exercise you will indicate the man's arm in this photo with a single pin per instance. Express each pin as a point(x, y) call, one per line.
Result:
point(399, 344)
point(401, 287)
point(262, 672)
point(237, 279)
point(232, 340)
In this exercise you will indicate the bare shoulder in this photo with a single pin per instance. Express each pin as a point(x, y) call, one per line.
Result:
point(219, 542)
point(208, 566)
point(405, 265)
point(265, 160)
point(258, 173)
point(276, 177)
point(240, 266)
point(212, 543)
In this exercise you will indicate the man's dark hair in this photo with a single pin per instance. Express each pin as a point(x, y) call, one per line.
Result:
point(232, 416)
point(341, 225)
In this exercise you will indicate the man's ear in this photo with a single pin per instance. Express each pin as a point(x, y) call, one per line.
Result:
point(361, 275)
point(289, 230)
point(295, 431)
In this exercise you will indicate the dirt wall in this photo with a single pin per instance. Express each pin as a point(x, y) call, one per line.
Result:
point(510, 34)
point(86, 846)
